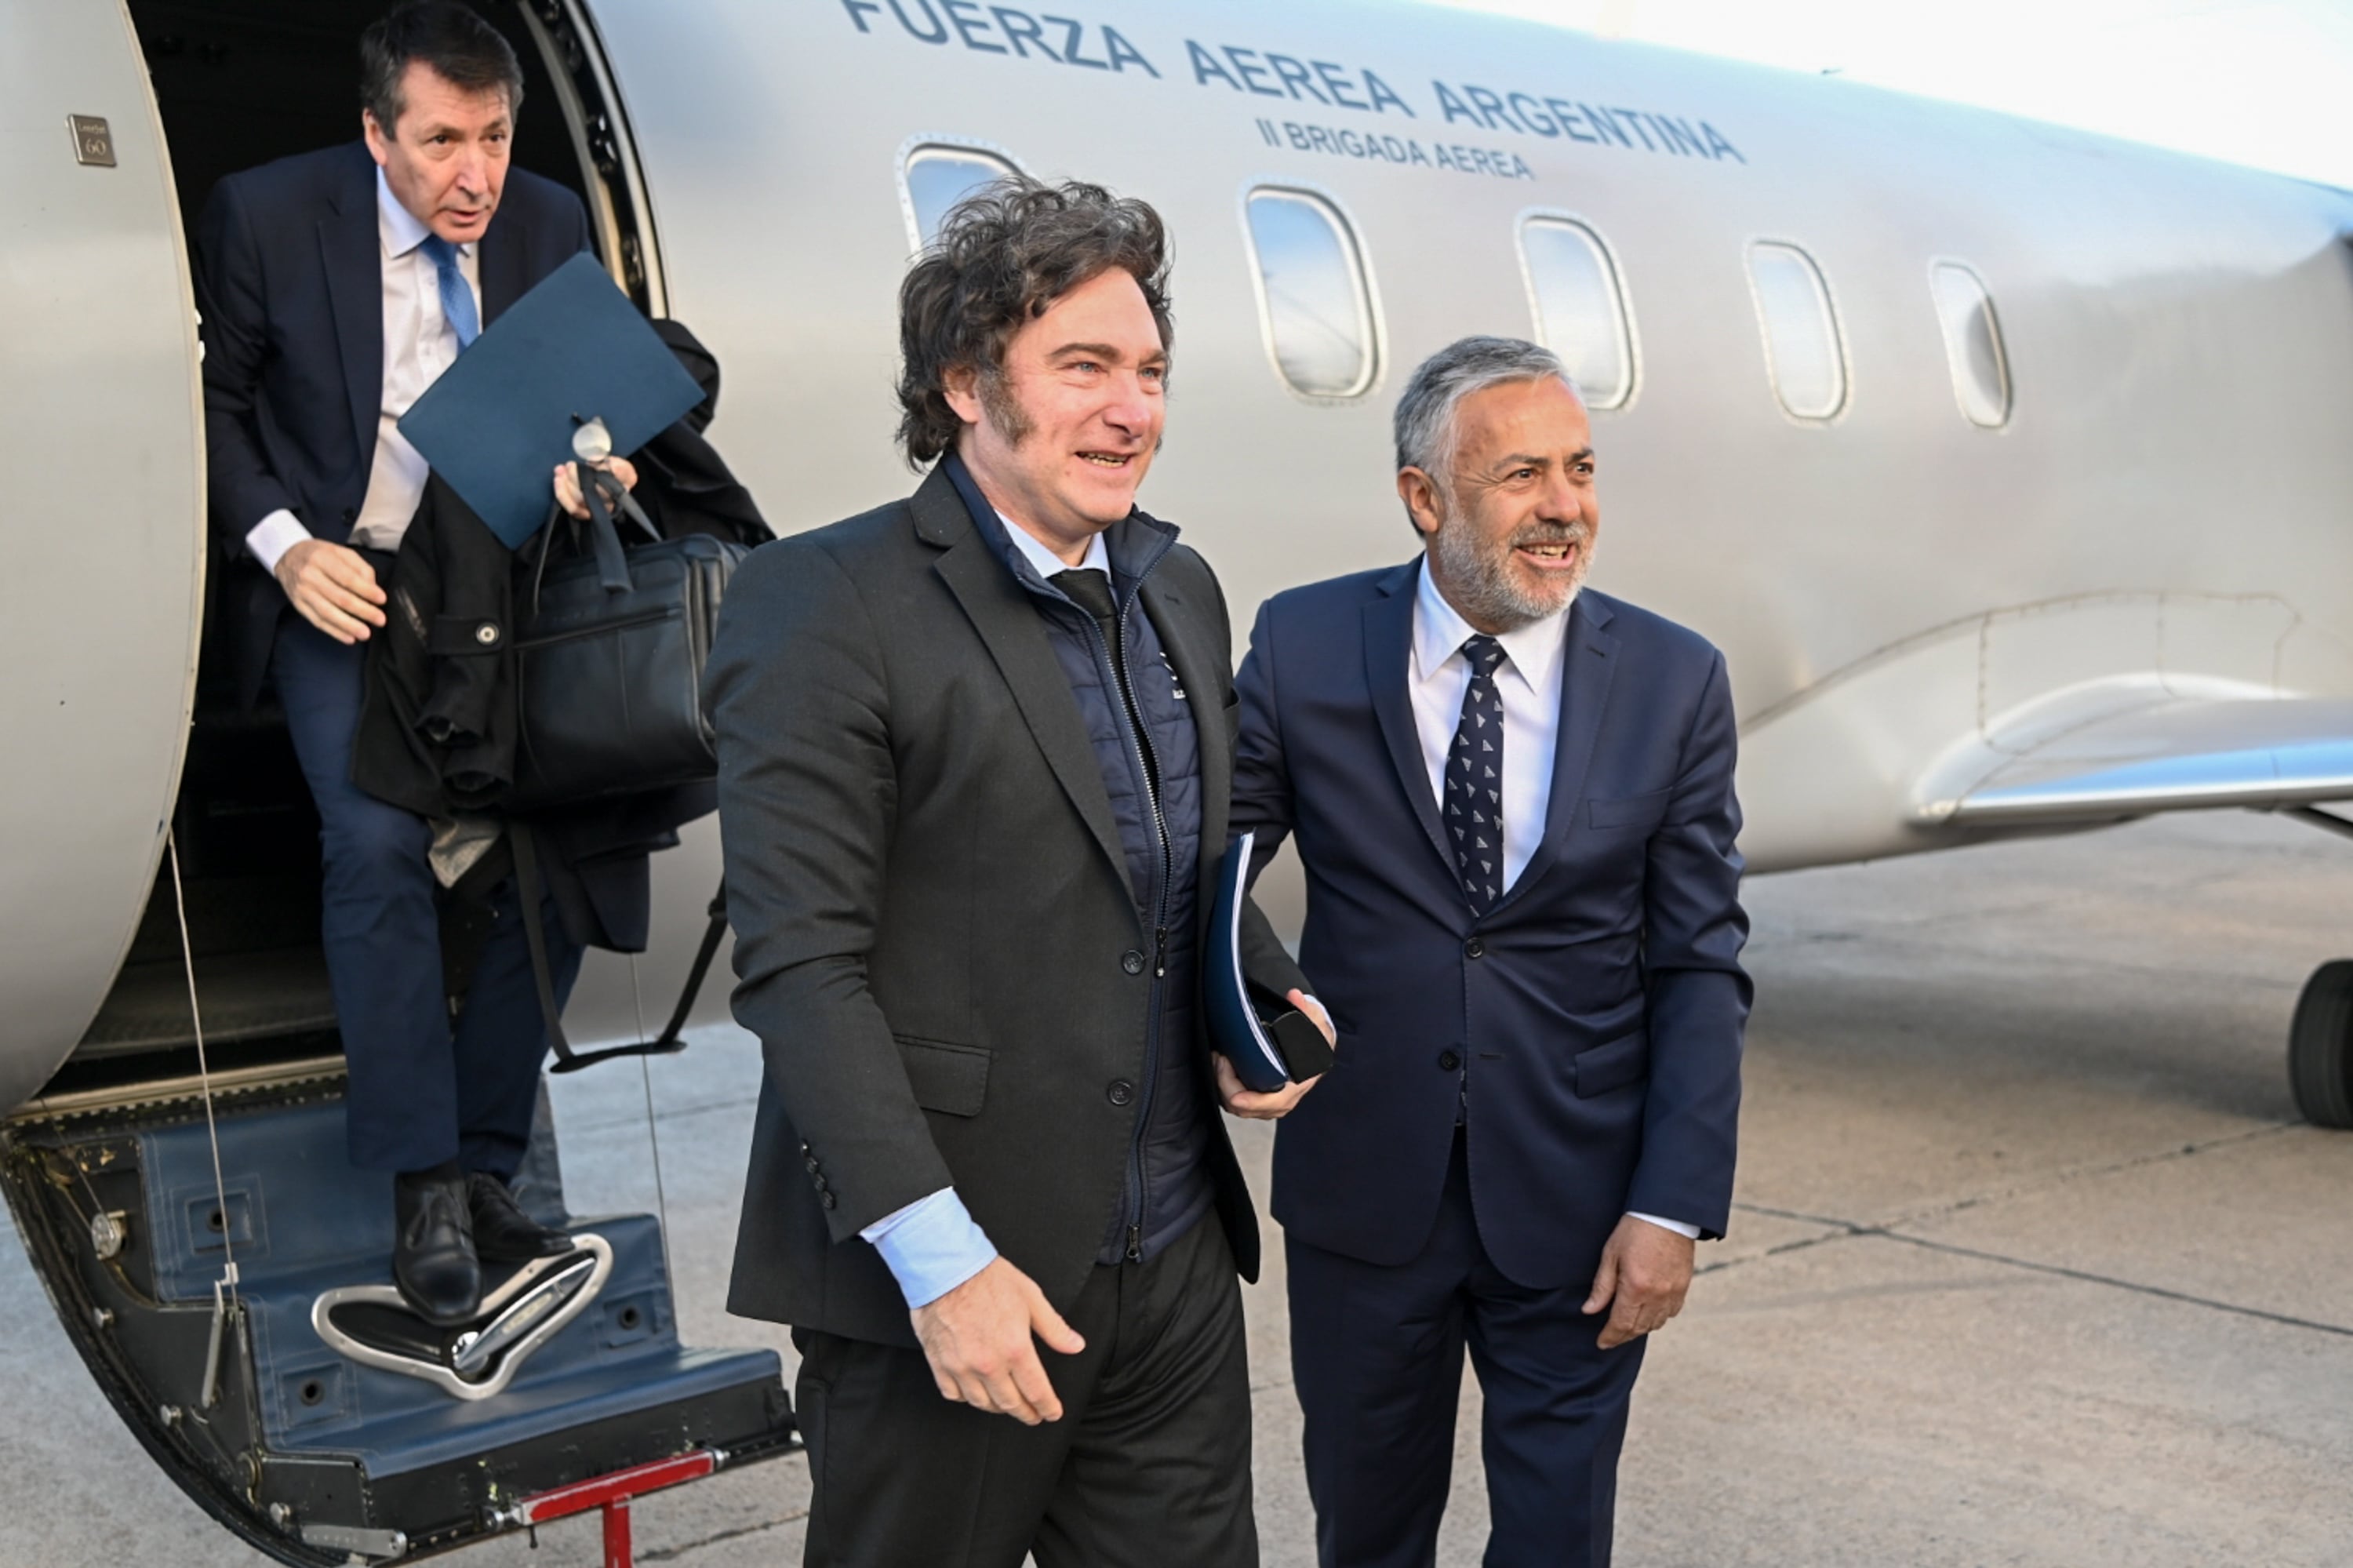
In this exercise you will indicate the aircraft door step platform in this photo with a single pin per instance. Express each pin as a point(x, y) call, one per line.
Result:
point(295, 1397)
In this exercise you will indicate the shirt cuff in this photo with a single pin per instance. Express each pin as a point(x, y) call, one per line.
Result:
point(1689, 1232)
point(273, 537)
point(931, 1245)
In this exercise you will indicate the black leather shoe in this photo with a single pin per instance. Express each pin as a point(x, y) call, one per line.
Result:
point(502, 1232)
point(433, 1260)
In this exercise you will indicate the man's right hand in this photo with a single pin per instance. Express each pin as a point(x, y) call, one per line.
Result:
point(979, 1340)
point(333, 586)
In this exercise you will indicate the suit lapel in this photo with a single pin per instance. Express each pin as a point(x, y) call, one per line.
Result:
point(1000, 612)
point(500, 268)
point(353, 257)
point(1388, 666)
point(1591, 665)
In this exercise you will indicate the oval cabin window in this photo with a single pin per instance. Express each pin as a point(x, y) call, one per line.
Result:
point(1579, 308)
point(1972, 344)
point(1803, 354)
point(1314, 297)
point(934, 178)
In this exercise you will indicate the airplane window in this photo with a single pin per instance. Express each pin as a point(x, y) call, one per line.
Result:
point(1972, 344)
point(1802, 351)
point(1312, 295)
point(935, 178)
point(1580, 311)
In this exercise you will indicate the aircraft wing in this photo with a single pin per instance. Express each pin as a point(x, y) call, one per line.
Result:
point(2170, 752)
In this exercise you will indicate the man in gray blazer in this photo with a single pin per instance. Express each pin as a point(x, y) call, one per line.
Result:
point(969, 810)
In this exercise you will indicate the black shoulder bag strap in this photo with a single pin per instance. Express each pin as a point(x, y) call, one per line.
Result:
point(532, 891)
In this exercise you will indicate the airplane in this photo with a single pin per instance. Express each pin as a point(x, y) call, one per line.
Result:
point(2005, 463)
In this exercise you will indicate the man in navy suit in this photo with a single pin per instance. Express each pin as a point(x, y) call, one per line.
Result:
point(335, 287)
point(1512, 798)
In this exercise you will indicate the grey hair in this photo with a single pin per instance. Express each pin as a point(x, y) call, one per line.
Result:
point(1427, 429)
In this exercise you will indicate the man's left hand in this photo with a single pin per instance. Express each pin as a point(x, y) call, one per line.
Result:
point(568, 483)
point(1241, 1102)
point(1645, 1271)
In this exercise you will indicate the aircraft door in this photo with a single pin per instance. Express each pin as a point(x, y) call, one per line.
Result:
point(102, 517)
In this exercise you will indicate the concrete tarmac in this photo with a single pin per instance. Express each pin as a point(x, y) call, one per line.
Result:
point(2031, 1263)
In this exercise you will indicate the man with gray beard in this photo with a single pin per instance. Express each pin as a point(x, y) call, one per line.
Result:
point(1512, 798)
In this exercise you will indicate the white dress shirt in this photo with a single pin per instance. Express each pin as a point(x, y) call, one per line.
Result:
point(419, 343)
point(1033, 550)
point(1527, 686)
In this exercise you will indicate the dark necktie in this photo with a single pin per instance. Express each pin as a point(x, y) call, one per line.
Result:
point(1091, 591)
point(1474, 779)
point(457, 299)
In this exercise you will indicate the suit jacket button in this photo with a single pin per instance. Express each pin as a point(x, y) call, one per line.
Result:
point(811, 1162)
point(826, 1198)
point(351, 514)
point(1132, 961)
point(1474, 948)
point(1447, 1061)
point(1121, 1092)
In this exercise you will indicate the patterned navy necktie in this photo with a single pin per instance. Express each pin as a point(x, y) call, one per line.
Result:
point(457, 299)
point(1474, 779)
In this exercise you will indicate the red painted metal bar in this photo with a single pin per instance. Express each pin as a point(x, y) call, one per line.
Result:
point(613, 1493)
point(618, 1487)
point(617, 1534)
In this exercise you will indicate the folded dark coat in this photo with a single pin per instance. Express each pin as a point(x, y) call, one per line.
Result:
point(438, 731)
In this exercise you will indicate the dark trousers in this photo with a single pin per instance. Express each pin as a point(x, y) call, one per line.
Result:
point(1376, 1358)
point(1148, 1467)
point(420, 1092)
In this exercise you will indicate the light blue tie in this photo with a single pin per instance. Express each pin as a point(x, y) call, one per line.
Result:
point(457, 299)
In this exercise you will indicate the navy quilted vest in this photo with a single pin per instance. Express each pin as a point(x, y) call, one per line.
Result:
point(1167, 1189)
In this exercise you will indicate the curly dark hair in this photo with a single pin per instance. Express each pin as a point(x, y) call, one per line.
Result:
point(1004, 255)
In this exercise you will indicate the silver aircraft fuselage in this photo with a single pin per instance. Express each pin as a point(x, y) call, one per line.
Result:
point(2165, 507)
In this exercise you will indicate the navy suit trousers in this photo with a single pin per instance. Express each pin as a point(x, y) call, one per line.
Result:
point(420, 1092)
point(1376, 1358)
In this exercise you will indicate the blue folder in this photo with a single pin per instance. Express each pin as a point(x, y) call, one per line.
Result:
point(1269, 1042)
point(497, 422)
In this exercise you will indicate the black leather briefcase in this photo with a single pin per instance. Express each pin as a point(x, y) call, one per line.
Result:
point(608, 657)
